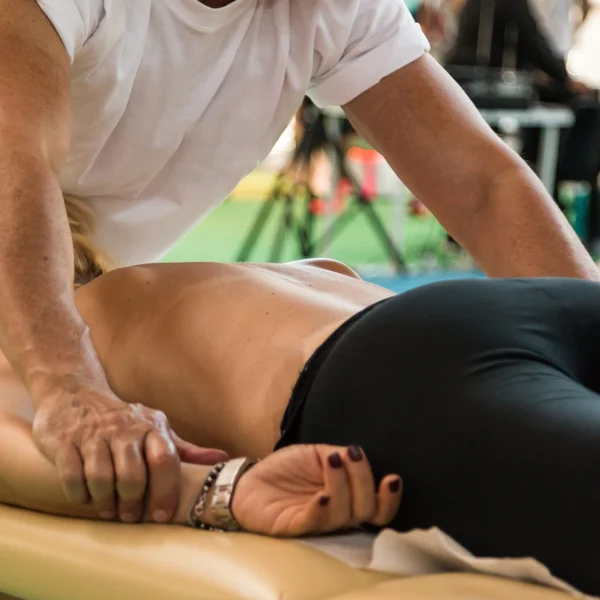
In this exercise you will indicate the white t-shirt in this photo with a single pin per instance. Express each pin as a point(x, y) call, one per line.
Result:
point(174, 102)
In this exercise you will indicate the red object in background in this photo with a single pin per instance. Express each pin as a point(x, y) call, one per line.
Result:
point(318, 206)
point(369, 160)
point(343, 190)
point(416, 208)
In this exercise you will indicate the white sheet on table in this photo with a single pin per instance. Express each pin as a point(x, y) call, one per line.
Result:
point(424, 552)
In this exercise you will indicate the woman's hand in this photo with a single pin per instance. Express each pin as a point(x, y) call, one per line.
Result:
point(308, 489)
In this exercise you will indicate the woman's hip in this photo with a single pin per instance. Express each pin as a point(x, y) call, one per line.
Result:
point(479, 404)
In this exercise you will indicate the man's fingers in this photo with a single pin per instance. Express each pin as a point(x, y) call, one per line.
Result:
point(190, 453)
point(70, 470)
point(164, 477)
point(131, 477)
point(389, 498)
point(100, 476)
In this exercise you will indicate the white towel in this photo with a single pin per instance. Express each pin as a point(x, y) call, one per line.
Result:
point(424, 552)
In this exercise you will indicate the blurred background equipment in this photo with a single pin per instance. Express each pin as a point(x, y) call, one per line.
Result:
point(532, 68)
point(485, 57)
point(526, 44)
point(352, 193)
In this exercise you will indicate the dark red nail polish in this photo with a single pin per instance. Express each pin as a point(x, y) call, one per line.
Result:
point(335, 461)
point(324, 500)
point(394, 486)
point(355, 453)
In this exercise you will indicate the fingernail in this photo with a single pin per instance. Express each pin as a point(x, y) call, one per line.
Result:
point(108, 515)
point(335, 461)
point(128, 518)
point(324, 500)
point(394, 486)
point(160, 516)
point(355, 453)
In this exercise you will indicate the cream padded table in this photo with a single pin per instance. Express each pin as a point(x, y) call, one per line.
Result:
point(51, 558)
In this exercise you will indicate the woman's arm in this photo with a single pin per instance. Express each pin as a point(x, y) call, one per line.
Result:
point(28, 480)
point(295, 491)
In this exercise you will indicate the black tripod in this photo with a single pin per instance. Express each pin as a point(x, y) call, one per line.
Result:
point(302, 228)
point(315, 137)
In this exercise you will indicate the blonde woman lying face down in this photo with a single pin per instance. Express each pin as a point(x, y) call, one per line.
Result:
point(481, 394)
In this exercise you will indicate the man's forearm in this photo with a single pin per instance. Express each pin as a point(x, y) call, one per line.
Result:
point(28, 480)
point(480, 190)
point(41, 332)
point(517, 230)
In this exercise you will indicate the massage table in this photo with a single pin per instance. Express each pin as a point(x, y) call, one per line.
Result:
point(50, 558)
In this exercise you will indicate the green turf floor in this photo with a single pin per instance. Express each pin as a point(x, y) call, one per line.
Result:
point(220, 236)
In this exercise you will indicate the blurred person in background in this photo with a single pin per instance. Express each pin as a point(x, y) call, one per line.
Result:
point(542, 34)
point(534, 47)
point(560, 20)
point(439, 20)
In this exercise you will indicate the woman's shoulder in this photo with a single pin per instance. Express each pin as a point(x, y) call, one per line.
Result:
point(110, 304)
point(115, 285)
point(328, 264)
point(121, 289)
point(121, 306)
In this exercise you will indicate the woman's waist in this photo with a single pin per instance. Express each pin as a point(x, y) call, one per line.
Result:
point(254, 393)
point(314, 363)
point(257, 393)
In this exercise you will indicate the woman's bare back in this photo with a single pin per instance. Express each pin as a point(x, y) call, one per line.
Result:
point(218, 347)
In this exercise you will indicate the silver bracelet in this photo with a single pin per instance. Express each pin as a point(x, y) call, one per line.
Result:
point(198, 507)
point(224, 477)
point(225, 486)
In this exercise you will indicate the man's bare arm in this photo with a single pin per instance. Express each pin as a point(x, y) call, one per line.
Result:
point(481, 191)
point(108, 453)
point(40, 331)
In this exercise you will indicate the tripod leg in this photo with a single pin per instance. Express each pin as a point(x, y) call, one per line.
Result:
point(307, 229)
point(380, 231)
point(285, 224)
point(290, 223)
point(383, 235)
point(305, 226)
point(259, 224)
point(364, 203)
point(335, 229)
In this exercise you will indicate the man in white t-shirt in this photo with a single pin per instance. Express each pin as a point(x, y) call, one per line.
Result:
point(152, 111)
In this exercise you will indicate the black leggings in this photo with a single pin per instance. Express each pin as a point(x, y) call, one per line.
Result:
point(484, 396)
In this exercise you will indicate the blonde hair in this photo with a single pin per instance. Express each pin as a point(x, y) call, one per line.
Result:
point(90, 261)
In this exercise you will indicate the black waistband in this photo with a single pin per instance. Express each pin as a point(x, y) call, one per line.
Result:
point(308, 374)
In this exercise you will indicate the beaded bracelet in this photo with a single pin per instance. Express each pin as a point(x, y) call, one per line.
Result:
point(197, 510)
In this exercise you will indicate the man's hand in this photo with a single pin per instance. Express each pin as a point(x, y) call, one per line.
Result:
point(122, 458)
point(485, 196)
